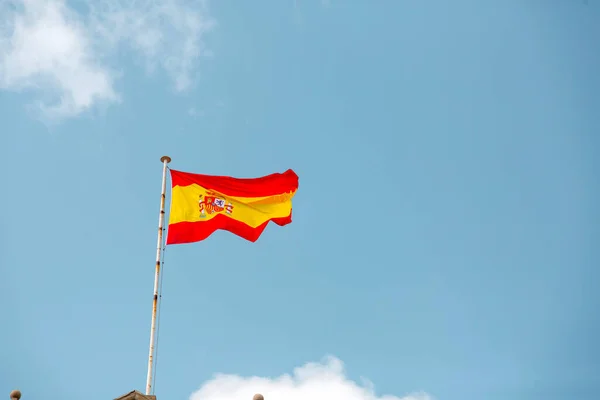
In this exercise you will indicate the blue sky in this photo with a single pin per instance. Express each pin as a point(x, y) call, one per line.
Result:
point(445, 234)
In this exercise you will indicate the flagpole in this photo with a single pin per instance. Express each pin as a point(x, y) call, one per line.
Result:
point(161, 219)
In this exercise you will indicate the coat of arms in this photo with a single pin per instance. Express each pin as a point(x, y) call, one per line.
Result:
point(213, 203)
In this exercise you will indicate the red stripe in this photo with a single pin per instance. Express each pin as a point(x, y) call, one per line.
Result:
point(243, 187)
point(188, 232)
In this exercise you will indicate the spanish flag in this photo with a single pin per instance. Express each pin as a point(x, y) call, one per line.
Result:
point(202, 204)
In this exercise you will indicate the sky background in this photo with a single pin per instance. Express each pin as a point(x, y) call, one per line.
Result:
point(445, 236)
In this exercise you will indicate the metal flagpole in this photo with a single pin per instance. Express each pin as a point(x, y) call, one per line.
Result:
point(161, 219)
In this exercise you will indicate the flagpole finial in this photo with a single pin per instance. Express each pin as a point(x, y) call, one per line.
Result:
point(165, 158)
point(15, 395)
point(258, 396)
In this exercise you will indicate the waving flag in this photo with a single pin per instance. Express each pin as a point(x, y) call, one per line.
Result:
point(202, 204)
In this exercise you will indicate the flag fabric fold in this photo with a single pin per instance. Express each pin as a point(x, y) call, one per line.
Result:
point(202, 204)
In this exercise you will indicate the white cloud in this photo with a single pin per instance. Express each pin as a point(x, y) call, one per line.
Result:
point(314, 381)
point(167, 33)
point(69, 57)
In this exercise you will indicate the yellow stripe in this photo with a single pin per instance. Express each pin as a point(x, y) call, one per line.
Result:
point(253, 211)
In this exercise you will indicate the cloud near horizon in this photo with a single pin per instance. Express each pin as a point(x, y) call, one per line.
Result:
point(69, 57)
point(325, 380)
